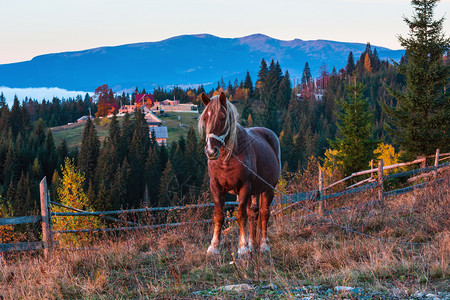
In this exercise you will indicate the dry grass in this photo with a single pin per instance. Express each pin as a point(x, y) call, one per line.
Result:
point(171, 263)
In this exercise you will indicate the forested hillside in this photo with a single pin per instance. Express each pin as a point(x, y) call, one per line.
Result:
point(129, 169)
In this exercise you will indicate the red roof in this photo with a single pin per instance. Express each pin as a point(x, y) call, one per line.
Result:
point(146, 97)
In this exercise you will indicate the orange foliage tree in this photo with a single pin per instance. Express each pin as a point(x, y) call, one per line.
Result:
point(106, 102)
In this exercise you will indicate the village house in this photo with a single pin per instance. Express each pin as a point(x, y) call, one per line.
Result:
point(174, 106)
point(144, 101)
point(155, 126)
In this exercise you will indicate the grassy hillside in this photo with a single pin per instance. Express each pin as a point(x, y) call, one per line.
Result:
point(72, 133)
point(308, 256)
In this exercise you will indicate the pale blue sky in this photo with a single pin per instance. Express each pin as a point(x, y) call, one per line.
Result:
point(34, 27)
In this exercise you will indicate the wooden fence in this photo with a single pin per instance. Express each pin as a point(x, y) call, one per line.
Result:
point(318, 196)
point(47, 239)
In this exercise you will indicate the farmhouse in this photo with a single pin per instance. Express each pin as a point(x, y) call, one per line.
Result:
point(174, 106)
point(156, 126)
point(83, 119)
point(143, 101)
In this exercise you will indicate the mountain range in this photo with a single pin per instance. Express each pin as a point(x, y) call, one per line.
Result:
point(182, 60)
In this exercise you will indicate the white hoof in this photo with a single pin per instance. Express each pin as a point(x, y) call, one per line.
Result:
point(243, 251)
point(264, 248)
point(212, 250)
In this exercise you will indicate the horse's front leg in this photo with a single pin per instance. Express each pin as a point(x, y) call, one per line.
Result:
point(243, 198)
point(252, 212)
point(219, 218)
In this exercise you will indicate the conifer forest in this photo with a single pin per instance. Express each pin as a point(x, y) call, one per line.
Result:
point(342, 119)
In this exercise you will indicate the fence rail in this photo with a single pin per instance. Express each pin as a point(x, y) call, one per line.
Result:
point(20, 220)
point(316, 196)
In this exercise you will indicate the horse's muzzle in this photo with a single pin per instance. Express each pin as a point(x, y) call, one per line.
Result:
point(214, 155)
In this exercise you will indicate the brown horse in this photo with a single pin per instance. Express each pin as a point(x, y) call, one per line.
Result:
point(259, 149)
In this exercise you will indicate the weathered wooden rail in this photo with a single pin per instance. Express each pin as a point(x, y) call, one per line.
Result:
point(288, 201)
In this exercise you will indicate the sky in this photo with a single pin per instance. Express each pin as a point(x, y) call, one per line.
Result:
point(35, 27)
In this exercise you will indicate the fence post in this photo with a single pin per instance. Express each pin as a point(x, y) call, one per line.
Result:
point(436, 164)
point(46, 218)
point(371, 167)
point(320, 191)
point(380, 181)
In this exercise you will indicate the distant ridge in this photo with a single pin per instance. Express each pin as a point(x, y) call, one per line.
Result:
point(182, 60)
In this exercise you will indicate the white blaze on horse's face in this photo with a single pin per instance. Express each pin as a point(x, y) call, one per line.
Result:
point(216, 136)
point(215, 124)
point(211, 151)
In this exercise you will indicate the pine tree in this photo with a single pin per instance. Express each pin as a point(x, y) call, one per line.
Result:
point(168, 186)
point(126, 136)
point(375, 62)
point(137, 154)
point(306, 77)
point(63, 151)
point(153, 169)
point(248, 84)
point(421, 120)
point(90, 147)
point(260, 83)
point(22, 205)
point(355, 145)
point(193, 161)
point(284, 92)
point(350, 67)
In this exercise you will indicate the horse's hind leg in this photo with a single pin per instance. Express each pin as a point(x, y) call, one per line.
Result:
point(264, 210)
point(252, 211)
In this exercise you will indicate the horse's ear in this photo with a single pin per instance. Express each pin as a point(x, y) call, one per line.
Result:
point(223, 99)
point(205, 99)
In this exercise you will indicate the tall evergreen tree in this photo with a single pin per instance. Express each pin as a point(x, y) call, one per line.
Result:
point(168, 186)
point(260, 83)
point(284, 92)
point(89, 151)
point(137, 154)
point(248, 84)
point(306, 77)
point(421, 120)
point(355, 145)
point(22, 202)
point(350, 67)
point(153, 168)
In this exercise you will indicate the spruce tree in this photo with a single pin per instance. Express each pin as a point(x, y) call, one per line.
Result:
point(350, 67)
point(137, 154)
point(355, 144)
point(22, 205)
point(306, 77)
point(260, 83)
point(248, 84)
point(284, 92)
point(168, 186)
point(153, 169)
point(421, 119)
point(89, 151)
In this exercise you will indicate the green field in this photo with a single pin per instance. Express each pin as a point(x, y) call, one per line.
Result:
point(72, 133)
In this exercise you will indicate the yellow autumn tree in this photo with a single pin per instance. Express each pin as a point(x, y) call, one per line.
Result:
point(332, 167)
point(387, 153)
point(70, 193)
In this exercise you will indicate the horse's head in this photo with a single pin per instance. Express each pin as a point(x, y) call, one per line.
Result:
point(218, 121)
